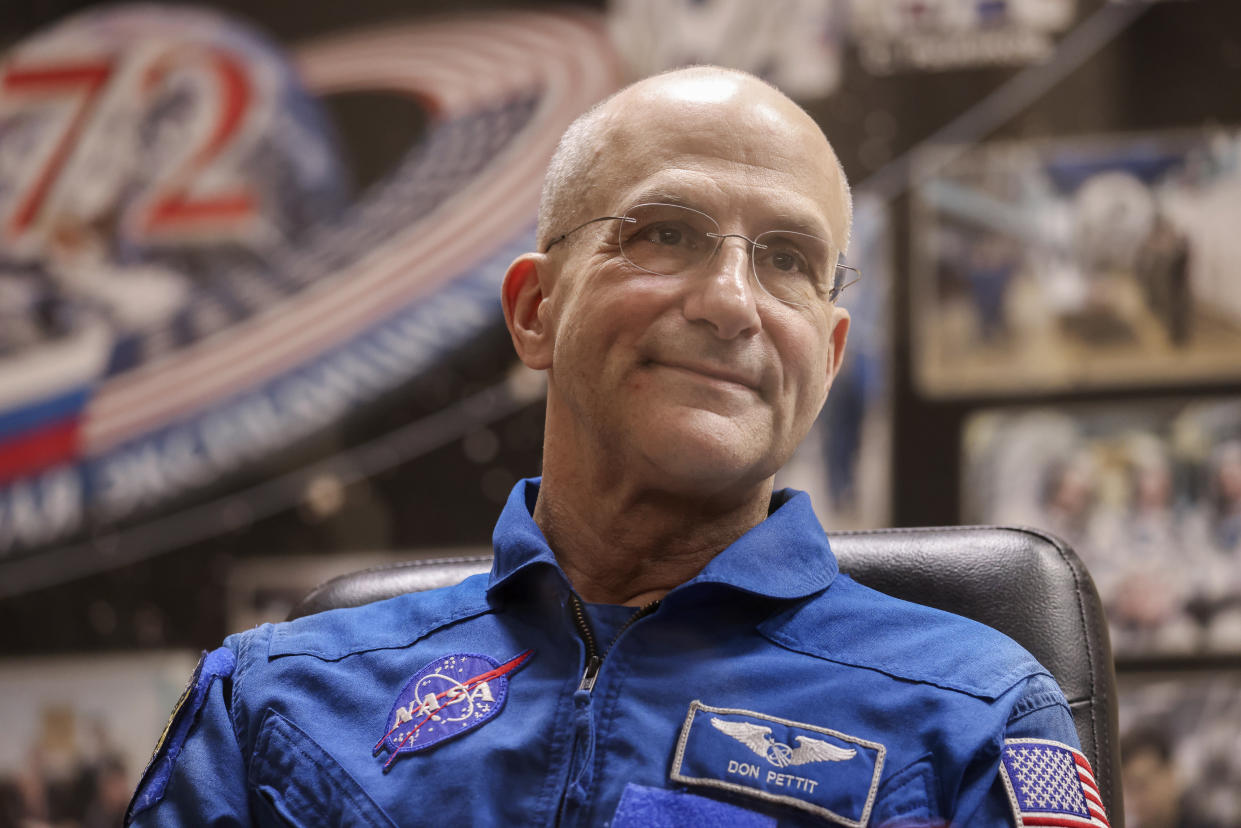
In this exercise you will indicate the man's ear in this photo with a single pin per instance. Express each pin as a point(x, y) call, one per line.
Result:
point(525, 286)
point(839, 335)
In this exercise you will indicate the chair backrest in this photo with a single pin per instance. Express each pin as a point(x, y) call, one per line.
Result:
point(1025, 583)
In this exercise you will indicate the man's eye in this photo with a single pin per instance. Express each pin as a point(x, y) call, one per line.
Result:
point(663, 234)
point(787, 261)
point(784, 261)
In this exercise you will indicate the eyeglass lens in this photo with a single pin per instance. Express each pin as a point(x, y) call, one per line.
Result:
point(670, 240)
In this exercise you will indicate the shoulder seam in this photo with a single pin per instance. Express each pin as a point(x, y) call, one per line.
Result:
point(245, 643)
point(1038, 701)
point(975, 692)
point(989, 685)
point(443, 619)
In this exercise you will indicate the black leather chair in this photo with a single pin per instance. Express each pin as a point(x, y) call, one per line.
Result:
point(1026, 583)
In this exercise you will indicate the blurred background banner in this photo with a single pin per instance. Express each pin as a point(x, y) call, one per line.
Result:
point(899, 36)
point(796, 44)
point(189, 288)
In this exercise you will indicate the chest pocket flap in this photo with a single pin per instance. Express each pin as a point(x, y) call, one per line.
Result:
point(907, 799)
point(304, 784)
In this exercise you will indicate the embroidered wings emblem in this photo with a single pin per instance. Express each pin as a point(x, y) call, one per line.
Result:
point(759, 739)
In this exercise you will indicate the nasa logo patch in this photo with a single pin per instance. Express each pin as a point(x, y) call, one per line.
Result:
point(450, 696)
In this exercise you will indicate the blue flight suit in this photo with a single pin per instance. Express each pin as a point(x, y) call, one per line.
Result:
point(768, 690)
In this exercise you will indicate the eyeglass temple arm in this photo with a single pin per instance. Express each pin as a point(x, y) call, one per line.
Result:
point(857, 277)
point(564, 236)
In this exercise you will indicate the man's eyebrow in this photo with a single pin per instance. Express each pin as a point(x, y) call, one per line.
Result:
point(661, 196)
point(801, 223)
point(780, 218)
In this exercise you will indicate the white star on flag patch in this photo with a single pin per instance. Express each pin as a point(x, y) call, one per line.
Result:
point(1051, 784)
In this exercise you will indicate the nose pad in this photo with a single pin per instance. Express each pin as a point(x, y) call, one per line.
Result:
point(725, 292)
point(742, 253)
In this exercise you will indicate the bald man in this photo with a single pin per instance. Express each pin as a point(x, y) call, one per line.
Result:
point(663, 640)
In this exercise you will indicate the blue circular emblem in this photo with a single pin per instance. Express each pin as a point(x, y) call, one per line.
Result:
point(448, 697)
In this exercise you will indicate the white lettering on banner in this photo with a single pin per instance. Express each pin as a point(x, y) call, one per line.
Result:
point(1001, 48)
point(146, 472)
point(788, 780)
point(893, 36)
point(37, 510)
point(420, 336)
point(254, 416)
point(225, 439)
point(150, 471)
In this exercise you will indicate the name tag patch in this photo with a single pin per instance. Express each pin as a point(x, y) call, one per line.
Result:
point(825, 772)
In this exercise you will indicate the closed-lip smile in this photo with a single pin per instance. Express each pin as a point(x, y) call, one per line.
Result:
point(711, 371)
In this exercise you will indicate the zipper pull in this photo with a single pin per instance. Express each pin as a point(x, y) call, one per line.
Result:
point(592, 672)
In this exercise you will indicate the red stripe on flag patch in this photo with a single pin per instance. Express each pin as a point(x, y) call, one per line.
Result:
point(1051, 784)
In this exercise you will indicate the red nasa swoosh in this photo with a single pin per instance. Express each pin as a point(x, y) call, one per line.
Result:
point(470, 683)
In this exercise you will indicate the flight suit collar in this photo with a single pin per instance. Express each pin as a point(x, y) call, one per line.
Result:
point(786, 556)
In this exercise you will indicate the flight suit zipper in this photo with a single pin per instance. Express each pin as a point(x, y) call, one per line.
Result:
point(582, 749)
point(594, 660)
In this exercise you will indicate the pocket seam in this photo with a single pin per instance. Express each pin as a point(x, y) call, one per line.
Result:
point(922, 769)
point(345, 785)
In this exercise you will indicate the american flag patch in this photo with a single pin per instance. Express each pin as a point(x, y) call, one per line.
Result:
point(1050, 783)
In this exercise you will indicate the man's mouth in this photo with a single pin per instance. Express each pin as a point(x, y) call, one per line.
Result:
point(712, 371)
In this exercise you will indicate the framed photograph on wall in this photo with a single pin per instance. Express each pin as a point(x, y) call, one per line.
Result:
point(79, 730)
point(1179, 760)
point(1077, 263)
point(1147, 493)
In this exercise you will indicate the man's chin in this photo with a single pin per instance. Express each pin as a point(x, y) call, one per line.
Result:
point(708, 460)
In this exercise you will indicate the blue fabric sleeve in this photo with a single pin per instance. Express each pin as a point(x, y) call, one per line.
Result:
point(1043, 713)
point(197, 777)
point(1039, 711)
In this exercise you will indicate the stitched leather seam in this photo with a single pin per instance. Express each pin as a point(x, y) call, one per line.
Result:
point(391, 567)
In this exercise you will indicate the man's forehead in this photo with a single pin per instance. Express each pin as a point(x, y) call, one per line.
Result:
point(745, 120)
point(784, 190)
point(667, 139)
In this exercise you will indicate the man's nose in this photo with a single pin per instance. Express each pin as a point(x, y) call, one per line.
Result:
point(723, 292)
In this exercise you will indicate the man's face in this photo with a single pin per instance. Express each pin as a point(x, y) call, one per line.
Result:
point(702, 382)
